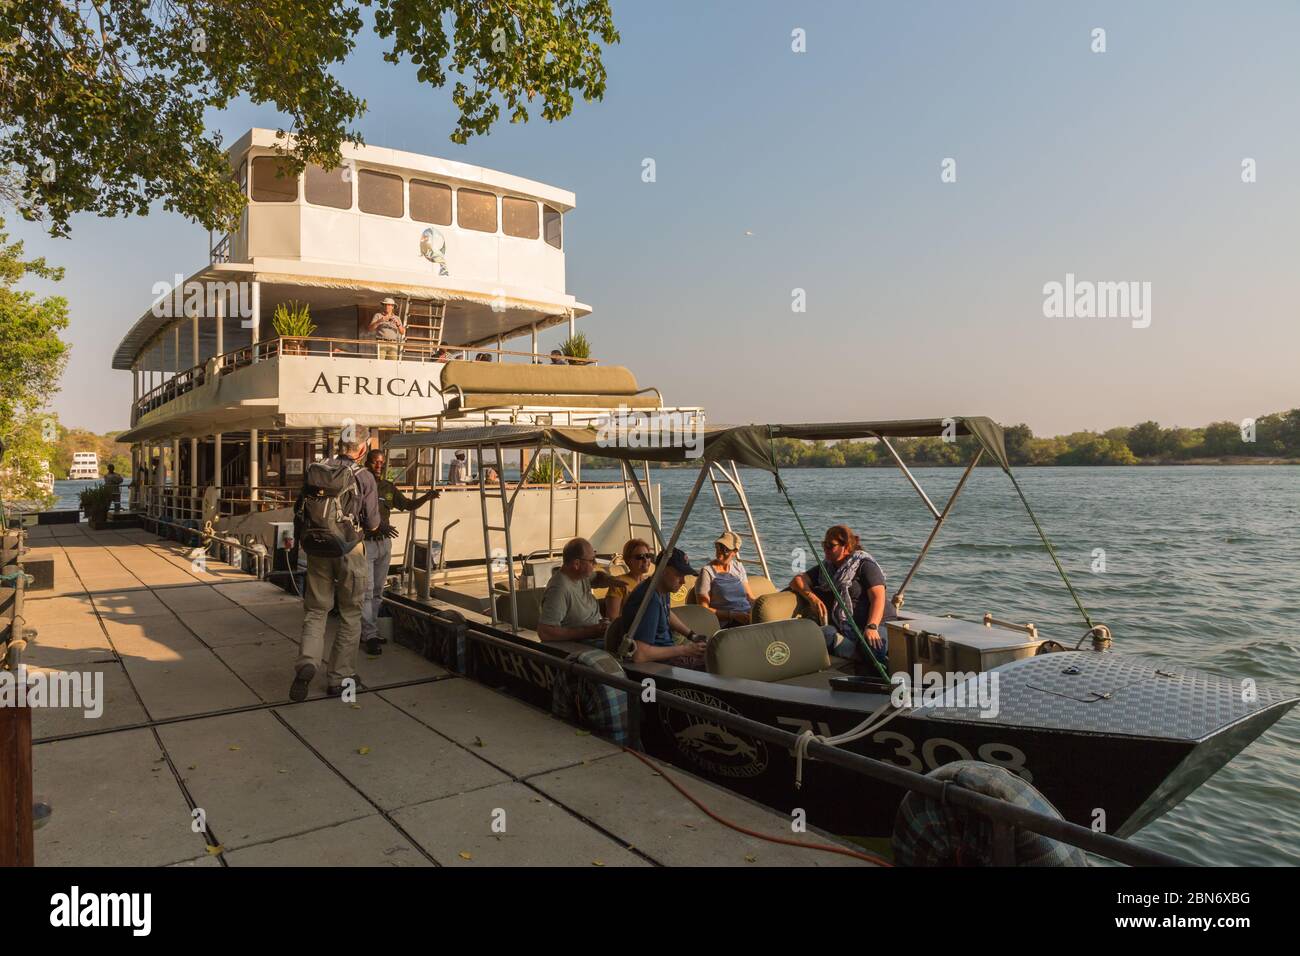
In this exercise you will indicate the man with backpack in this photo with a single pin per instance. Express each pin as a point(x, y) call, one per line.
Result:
point(335, 510)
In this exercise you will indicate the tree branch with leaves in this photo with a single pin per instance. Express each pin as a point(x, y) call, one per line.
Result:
point(102, 104)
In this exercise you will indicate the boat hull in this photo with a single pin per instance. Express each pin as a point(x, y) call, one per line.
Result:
point(1114, 782)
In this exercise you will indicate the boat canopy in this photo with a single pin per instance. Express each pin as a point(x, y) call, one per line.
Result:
point(634, 438)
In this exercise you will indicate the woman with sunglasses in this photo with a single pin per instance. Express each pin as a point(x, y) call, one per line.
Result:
point(723, 586)
point(861, 583)
point(639, 557)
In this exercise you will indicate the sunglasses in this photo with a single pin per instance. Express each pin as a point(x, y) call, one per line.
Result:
point(641, 557)
point(827, 545)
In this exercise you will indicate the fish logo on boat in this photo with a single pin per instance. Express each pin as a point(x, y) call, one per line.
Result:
point(711, 747)
point(778, 652)
point(434, 248)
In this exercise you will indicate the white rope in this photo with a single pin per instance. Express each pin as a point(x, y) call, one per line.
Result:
point(870, 725)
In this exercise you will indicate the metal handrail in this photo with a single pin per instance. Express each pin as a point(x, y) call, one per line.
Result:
point(1001, 812)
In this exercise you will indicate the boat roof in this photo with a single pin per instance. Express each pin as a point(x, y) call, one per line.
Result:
point(749, 445)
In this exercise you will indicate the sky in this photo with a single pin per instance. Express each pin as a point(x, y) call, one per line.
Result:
point(822, 171)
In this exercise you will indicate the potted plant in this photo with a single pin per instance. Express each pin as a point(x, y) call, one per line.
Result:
point(95, 501)
point(292, 321)
point(577, 346)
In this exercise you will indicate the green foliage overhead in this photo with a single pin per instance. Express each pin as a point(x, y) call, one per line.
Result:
point(32, 357)
point(102, 105)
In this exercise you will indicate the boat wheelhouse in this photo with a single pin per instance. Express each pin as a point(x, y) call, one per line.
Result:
point(232, 398)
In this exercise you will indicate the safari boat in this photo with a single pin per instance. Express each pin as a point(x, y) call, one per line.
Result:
point(1108, 737)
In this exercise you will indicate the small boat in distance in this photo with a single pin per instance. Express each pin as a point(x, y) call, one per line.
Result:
point(85, 466)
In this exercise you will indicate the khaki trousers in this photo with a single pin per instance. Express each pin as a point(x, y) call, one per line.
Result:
point(345, 579)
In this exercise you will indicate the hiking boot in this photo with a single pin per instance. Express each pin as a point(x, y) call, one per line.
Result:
point(301, 682)
point(374, 646)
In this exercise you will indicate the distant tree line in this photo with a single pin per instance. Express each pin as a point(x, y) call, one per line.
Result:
point(1276, 436)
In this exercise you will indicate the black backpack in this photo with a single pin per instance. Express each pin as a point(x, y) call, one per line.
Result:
point(329, 507)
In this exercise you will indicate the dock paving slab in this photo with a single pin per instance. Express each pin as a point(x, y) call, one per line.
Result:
point(129, 605)
point(232, 625)
point(625, 797)
point(58, 645)
point(458, 831)
point(370, 841)
point(197, 683)
point(248, 593)
point(405, 762)
point(514, 736)
point(119, 705)
point(192, 597)
point(115, 803)
point(255, 780)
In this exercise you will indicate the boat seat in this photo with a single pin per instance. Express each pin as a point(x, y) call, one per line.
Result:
point(697, 618)
point(774, 651)
point(476, 385)
point(779, 606)
point(760, 586)
point(529, 603)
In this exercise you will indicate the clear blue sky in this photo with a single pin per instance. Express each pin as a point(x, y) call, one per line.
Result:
point(923, 298)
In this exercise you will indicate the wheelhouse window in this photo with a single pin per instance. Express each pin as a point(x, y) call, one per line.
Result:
point(551, 226)
point(327, 187)
point(272, 182)
point(519, 217)
point(380, 193)
point(430, 202)
point(476, 210)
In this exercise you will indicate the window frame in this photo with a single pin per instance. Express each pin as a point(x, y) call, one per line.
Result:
point(352, 192)
point(537, 218)
point(496, 211)
point(379, 173)
point(451, 201)
point(559, 219)
point(254, 181)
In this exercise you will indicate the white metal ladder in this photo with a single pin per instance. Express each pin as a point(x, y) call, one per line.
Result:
point(727, 474)
point(636, 503)
point(497, 492)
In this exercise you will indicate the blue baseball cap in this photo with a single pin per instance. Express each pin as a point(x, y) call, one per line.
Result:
point(677, 561)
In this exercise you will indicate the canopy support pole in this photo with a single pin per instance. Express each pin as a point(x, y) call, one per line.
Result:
point(672, 543)
point(934, 532)
point(915, 484)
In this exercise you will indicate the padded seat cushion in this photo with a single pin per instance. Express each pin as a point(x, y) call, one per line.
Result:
point(529, 603)
point(697, 618)
point(768, 652)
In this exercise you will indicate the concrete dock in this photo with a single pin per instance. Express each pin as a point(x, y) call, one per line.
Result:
point(439, 771)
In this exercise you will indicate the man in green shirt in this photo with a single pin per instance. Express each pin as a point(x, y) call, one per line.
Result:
point(379, 548)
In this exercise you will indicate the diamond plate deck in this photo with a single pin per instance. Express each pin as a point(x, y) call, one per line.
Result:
point(1113, 694)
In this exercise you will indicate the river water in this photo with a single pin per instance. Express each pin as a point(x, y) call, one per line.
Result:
point(1201, 568)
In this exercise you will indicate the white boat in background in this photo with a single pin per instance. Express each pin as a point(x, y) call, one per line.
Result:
point(85, 466)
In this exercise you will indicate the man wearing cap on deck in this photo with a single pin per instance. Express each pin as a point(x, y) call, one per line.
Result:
point(654, 635)
point(387, 327)
point(723, 586)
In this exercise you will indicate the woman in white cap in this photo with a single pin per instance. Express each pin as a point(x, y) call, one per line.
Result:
point(723, 586)
point(387, 327)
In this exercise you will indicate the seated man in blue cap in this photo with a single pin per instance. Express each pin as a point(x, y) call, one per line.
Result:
point(654, 635)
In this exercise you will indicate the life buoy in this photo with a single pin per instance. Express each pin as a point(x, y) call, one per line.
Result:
point(929, 833)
